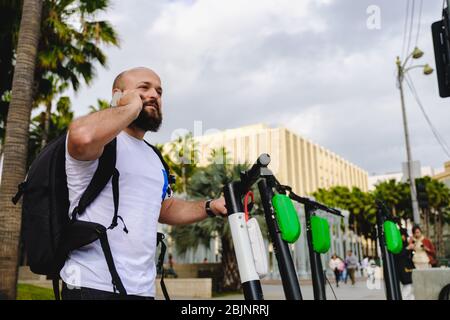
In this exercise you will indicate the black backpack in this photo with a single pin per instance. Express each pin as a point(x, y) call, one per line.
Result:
point(48, 234)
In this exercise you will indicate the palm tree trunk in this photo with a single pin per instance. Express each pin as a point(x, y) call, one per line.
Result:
point(16, 142)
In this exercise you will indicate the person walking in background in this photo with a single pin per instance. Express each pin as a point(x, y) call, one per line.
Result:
point(424, 253)
point(352, 265)
point(405, 266)
point(341, 267)
point(171, 270)
point(364, 266)
point(371, 270)
point(343, 270)
point(336, 265)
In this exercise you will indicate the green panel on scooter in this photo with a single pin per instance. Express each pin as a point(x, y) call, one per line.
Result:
point(320, 231)
point(392, 237)
point(287, 217)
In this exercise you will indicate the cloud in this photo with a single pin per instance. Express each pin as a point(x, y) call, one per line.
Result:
point(312, 66)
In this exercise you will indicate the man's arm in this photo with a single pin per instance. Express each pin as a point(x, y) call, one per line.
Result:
point(180, 212)
point(89, 134)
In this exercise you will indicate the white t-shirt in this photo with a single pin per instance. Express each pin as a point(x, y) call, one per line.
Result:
point(141, 189)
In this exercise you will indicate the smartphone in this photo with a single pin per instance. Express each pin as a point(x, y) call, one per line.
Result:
point(115, 99)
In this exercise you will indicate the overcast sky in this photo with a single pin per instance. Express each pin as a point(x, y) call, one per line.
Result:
point(311, 66)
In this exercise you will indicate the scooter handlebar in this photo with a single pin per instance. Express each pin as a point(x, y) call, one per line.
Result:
point(250, 176)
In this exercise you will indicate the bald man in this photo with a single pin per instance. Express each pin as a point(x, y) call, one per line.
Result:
point(85, 274)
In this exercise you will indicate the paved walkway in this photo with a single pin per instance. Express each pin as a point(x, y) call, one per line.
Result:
point(359, 291)
point(273, 290)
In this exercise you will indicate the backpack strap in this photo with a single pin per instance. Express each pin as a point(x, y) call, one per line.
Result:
point(80, 233)
point(20, 191)
point(160, 265)
point(55, 282)
point(171, 177)
point(158, 153)
point(116, 281)
point(160, 236)
point(105, 170)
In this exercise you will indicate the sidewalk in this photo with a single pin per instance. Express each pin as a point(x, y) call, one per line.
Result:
point(273, 290)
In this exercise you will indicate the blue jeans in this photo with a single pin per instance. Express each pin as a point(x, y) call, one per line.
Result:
point(94, 294)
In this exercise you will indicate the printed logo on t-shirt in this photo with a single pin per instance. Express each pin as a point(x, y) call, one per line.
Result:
point(166, 184)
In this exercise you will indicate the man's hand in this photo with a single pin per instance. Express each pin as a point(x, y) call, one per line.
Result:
point(218, 207)
point(131, 98)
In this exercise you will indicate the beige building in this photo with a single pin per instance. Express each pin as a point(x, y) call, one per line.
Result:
point(444, 177)
point(295, 161)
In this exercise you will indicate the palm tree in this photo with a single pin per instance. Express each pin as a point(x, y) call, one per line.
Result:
point(360, 205)
point(68, 53)
point(68, 49)
point(437, 211)
point(16, 142)
point(56, 88)
point(101, 105)
point(184, 158)
point(389, 193)
point(58, 123)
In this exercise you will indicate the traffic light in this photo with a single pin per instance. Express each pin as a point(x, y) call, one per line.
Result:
point(441, 41)
point(422, 195)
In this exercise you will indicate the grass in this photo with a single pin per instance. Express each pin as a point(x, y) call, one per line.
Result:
point(226, 293)
point(30, 292)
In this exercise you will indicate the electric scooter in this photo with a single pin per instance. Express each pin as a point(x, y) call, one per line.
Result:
point(318, 238)
point(277, 221)
point(391, 243)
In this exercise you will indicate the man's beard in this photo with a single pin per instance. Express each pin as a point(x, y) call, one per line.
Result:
point(148, 121)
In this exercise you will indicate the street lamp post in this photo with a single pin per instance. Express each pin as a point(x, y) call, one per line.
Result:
point(401, 71)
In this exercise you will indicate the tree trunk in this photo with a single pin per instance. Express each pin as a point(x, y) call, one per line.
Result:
point(231, 278)
point(16, 142)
